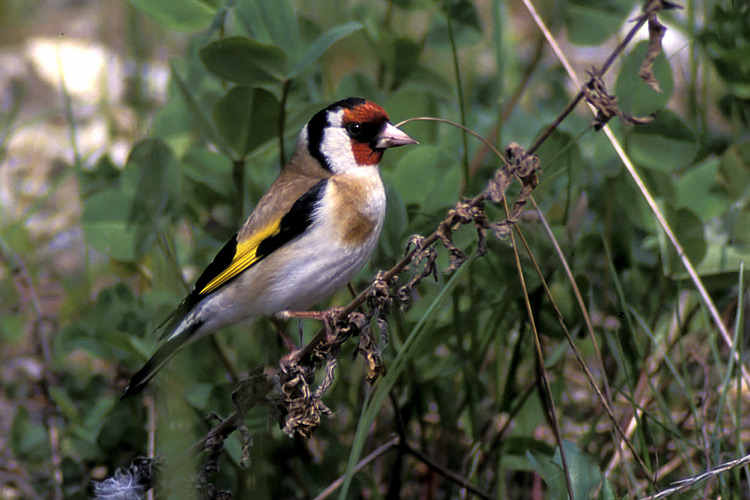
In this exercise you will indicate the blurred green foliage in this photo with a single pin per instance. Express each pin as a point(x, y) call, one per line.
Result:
point(462, 357)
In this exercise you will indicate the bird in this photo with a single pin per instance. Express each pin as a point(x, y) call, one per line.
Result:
point(308, 235)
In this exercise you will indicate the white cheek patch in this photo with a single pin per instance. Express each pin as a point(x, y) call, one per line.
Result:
point(336, 145)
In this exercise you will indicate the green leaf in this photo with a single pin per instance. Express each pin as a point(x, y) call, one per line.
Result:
point(184, 15)
point(245, 61)
point(427, 177)
point(199, 114)
point(688, 228)
point(210, 169)
point(281, 21)
point(12, 328)
point(734, 170)
point(246, 118)
point(463, 12)
point(720, 258)
point(153, 175)
point(438, 34)
point(64, 403)
point(28, 439)
point(561, 162)
point(104, 175)
point(159, 178)
point(590, 22)
point(699, 190)
point(107, 227)
point(585, 476)
point(391, 240)
point(270, 21)
point(664, 144)
point(634, 96)
point(322, 44)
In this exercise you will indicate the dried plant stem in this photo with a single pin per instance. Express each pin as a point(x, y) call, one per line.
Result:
point(705, 296)
point(569, 68)
point(377, 453)
point(707, 300)
point(148, 401)
point(508, 107)
point(462, 109)
point(686, 484)
point(448, 474)
point(542, 370)
point(41, 324)
point(604, 401)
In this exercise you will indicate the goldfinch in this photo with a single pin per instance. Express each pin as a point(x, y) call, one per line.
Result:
point(308, 235)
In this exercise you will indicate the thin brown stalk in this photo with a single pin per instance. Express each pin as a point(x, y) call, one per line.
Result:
point(651, 6)
point(41, 325)
point(377, 453)
point(509, 106)
point(542, 370)
point(446, 473)
point(604, 401)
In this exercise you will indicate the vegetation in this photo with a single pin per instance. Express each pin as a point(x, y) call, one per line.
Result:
point(567, 320)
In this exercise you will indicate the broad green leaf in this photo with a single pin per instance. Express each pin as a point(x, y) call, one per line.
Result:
point(699, 190)
point(281, 21)
point(199, 114)
point(159, 179)
point(245, 61)
point(725, 42)
point(107, 227)
point(426, 176)
point(688, 228)
point(585, 476)
point(272, 22)
point(634, 96)
point(561, 162)
point(64, 403)
point(12, 328)
point(104, 175)
point(412, 100)
point(590, 22)
point(719, 259)
point(438, 35)
point(28, 439)
point(153, 174)
point(664, 144)
point(184, 15)
point(210, 169)
point(741, 230)
point(734, 170)
point(322, 44)
point(360, 84)
point(632, 203)
point(247, 117)
point(463, 12)
point(391, 240)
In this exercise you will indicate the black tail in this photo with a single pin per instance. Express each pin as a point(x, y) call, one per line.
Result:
point(159, 359)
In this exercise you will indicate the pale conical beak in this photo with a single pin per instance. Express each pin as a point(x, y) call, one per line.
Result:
point(390, 137)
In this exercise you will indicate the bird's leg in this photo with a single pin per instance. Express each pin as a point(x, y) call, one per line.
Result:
point(288, 342)
point(327, 317)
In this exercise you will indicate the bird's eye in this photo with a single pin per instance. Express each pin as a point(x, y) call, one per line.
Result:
point(354, 129)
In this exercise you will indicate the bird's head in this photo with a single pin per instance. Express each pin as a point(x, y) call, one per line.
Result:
point(351, 133)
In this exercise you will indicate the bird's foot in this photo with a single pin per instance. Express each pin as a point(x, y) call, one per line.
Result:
point(288, 342)
point(327, 316)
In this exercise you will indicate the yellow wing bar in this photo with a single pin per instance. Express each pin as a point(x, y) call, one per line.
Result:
point(245, 256)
